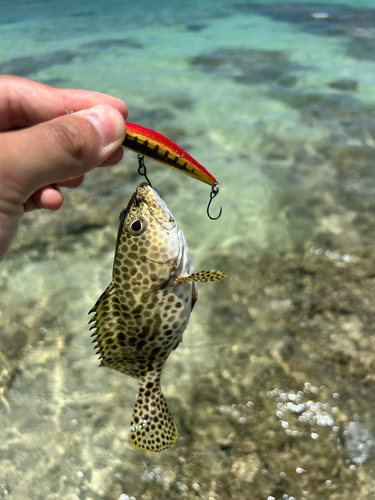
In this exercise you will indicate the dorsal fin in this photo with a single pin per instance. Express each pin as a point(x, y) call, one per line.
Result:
point(105, 321)
point(152, 427)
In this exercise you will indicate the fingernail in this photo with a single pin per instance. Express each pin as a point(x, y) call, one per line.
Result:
point(108, 122)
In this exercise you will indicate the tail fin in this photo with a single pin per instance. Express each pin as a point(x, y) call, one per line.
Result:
point(152, 427)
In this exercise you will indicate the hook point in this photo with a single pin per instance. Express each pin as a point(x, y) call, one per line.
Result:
point(214, 192)
point(214, 218)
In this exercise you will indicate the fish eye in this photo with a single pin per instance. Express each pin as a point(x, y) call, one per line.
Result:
point(137, 226)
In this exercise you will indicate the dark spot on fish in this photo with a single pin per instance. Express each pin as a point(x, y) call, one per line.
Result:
point(155, 351)
point(138, 310)
point(144, 332)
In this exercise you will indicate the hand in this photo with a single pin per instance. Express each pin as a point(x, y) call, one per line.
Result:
point(42, 147)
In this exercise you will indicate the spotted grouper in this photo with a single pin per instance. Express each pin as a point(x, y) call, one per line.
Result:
point(140, 318)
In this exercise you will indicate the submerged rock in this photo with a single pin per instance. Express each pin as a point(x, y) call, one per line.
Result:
point(108, 43)
point(317, 18)
point(349, 85)
point(362, 47)
point(150, 118)
point(248, 66)
point(24, 66)
point(195, 28)
point(323, 106)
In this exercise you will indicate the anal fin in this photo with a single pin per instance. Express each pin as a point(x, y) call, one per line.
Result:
point(202, 277)
point(152, 427)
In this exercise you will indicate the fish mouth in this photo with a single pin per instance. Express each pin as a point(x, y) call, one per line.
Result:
point(132, 202)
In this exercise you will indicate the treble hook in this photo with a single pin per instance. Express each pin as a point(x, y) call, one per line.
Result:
point(142, 168)
point(214, 192)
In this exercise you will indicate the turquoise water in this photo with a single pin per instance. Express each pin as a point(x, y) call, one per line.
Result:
point(272, 389)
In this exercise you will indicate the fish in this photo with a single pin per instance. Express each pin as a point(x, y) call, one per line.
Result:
point(151, 144)
point(141, 316)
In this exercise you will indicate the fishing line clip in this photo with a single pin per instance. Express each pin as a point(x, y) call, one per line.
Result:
point(142, 168)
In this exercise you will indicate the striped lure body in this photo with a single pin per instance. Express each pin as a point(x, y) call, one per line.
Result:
point(151, 144)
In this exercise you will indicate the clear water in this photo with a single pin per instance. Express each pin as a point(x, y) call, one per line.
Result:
point(273, 387)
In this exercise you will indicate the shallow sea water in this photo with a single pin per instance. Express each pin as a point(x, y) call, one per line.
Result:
point(273, 387)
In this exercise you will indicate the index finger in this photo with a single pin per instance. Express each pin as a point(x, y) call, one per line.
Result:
point(24, 103)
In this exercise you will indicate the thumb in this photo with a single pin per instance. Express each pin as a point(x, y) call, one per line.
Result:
point(57, 150)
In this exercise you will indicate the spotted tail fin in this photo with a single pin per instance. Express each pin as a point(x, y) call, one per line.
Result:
point(152, 427)
point(202, 277)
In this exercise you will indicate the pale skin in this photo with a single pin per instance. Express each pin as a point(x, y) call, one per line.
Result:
point(43, 145)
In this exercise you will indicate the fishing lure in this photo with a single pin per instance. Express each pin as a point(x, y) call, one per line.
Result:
point(151, 144)
point(147, 142)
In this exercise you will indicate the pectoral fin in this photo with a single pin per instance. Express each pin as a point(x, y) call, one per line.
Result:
point(202, 277)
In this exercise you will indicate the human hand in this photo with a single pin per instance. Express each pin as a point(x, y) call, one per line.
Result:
point(42, 147)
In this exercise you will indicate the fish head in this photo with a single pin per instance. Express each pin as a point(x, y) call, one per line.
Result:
point(150, 244)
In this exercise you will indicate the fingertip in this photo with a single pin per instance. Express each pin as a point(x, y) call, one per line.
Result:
point(49, 198)
point(109, 123)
